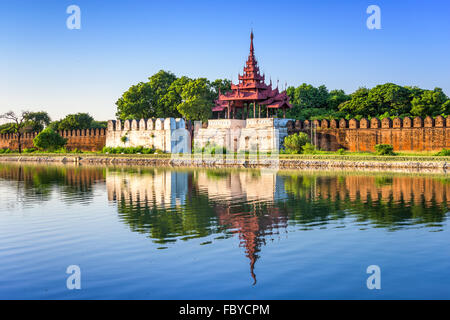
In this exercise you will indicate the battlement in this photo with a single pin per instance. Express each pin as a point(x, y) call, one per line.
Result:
point(159, 133)
point(146, 124)
point(86, 139)
point(404, 134)
point(373, 123)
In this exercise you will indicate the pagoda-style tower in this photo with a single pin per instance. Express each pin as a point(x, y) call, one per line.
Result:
point(251, 91)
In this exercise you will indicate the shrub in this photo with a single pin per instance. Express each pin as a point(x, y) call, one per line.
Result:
point(443, 153)
point(48, 139)
point(129, 150)
point(384, 150)
point(295, 142)
point(308, 148)
point(341, 151)
point(29, 150)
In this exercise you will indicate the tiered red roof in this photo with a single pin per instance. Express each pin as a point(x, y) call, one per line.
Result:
point(252, 90)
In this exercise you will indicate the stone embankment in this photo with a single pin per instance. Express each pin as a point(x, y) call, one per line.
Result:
point(291, 164)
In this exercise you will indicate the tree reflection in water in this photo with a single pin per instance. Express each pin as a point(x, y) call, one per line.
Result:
point(256, 206)
point(172, 205)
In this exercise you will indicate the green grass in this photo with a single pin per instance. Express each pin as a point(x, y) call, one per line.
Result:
point(318, 155)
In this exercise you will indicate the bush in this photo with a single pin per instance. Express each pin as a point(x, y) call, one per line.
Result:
point(48, 139)
point(443, 153)
point(209, 149)
point(129, 150)
point(29, 150)
point(384, 150)
point(295, 142)
point(341, 151)
point(308, 148)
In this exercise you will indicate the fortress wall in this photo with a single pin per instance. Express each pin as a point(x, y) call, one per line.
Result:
point(160, 133)
point(403, 134)
point(86, 140)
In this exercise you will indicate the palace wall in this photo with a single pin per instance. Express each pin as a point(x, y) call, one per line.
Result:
point(168, 135)
point(403, 134)
point(86, 139)
point(263, 134)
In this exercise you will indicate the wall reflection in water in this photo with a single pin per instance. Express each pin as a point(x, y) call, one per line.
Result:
point(256, 206)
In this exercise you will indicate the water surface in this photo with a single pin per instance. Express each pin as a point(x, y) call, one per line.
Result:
point(155, 233)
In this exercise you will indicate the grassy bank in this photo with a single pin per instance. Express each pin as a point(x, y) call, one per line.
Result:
point(329, 156)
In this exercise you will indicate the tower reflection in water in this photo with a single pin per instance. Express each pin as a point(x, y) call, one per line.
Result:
point(257, 206)
point(176, 205)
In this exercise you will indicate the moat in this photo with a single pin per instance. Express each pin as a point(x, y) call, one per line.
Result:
point(161, 233)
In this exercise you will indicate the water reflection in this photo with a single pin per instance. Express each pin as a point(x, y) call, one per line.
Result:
point(258, 205)
point(32, 184)
point(255, 206)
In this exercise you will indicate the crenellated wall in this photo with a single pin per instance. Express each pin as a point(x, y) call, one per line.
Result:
point(86, 139)
point(405, 134)
point(167, 134)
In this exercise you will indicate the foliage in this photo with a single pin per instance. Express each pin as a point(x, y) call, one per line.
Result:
point(295, 142)
point(443, 153)
point(7, 150)
point(50, 140)
point(130, 150)
point(76, 121)
point(384, 150)
point(430, 102)
point(393, 100)
point(197, 100)
point(209, 149)
point(308, 148)
point(165, 95)
point(36, 121)
point(17, 124)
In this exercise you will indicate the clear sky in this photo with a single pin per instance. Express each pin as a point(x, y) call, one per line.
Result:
point(46, 66)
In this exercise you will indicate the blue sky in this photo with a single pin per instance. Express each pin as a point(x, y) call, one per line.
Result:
point(45, 66)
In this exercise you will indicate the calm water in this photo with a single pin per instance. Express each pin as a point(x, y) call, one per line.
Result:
point(151, 233)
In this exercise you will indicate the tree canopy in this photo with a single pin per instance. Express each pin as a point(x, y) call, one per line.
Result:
point(385, 100)
point(77, 121)
point(165, 95)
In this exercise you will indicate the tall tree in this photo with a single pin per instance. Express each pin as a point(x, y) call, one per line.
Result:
point(76, 121)
point(430, 103)
point(147, 99)
point(197, 100)
point(38, 120)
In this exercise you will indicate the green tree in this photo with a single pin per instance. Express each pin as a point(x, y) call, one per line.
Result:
point(37, 120)
point(197, 100)
point(173, 96)
point(223, 85)
point(294, 143)
point(48, 139)
point(76, 121)
point(335, 98)
point(430, 102)
point(359, 104)
point(17, 124)
point(391, 98)
point(148, 99)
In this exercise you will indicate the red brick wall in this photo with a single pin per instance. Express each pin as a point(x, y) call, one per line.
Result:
point(86, 140)
point(404, 134)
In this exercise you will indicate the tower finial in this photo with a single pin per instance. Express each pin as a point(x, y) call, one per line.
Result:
point(252, 50)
